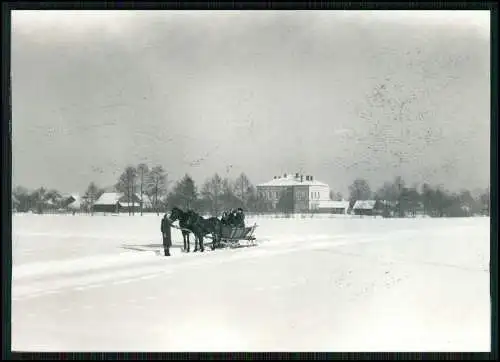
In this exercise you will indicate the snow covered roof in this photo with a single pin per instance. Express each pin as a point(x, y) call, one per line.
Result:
point(109, 198)
point(329, 204)
point(364, 204)
point(291, 180)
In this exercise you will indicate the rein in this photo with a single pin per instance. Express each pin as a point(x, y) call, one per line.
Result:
point(184, 229)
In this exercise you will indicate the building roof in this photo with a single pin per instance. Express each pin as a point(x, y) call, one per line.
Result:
point(364, 205)
point(109, 198)
point(291, 180)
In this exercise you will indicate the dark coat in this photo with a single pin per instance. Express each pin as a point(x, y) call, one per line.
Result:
point(239, 219)
point(165, 224)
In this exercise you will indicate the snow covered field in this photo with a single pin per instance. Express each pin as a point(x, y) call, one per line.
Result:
point(83, 283)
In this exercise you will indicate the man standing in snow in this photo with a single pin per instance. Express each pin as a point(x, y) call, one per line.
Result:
point(166, 233)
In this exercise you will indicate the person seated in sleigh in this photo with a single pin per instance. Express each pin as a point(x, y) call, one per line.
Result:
point(233, 218)
point(225, 219)
point(239, 218)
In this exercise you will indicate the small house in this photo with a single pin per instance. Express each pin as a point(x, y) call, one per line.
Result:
point(365, 207)
point(115, 202)
point(108, 202)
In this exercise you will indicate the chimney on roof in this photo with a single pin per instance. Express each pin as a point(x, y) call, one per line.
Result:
point(274, 177)
point(310, 178)
point(301, 178)
point(284, 175)
point(297, 175)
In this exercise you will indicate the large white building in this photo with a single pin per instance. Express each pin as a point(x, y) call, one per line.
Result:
point(308, 194)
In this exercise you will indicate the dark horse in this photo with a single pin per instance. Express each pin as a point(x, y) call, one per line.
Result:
point(190, 221)
point(202, 227)
point(183, 217)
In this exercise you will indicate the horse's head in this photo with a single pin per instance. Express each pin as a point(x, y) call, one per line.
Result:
point(176, 214)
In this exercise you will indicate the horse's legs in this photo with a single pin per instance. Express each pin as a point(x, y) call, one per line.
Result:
point(185, 236)
point(200, 240)
point(214, 240)
point(196, 237)
point(188, 242)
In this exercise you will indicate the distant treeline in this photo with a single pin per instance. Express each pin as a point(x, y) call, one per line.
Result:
point(220, 193)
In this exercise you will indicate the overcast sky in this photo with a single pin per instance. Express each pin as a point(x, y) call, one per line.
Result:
point(335, 94)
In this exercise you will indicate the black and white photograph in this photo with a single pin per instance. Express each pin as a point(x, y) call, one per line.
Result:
point(250, 181)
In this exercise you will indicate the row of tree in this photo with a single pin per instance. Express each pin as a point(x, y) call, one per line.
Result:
point(217, 194)
point(402, 200)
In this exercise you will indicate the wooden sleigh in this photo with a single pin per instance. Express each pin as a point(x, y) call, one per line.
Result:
point(235, 237)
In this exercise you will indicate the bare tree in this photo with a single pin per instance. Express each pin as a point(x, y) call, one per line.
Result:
point(184, 193)
point(54, 198)
point(91, 195)
point(243, 188)
point(38, 199)
point(126, 184)
point(229, 198)
point(22, 194)
point(143, 171)
point(359, 190)
point(484, 200)
point(211, 193)
point(157, 185)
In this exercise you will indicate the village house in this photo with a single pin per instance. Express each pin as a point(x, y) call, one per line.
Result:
point(116, 202)
point(367, 207)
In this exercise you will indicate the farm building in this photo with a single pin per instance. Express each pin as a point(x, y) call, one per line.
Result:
point(116, 202)
point(306, 193)
point(368, 207)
